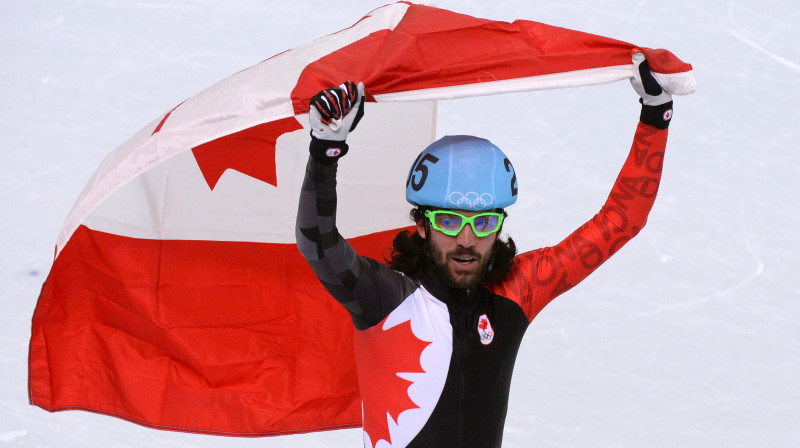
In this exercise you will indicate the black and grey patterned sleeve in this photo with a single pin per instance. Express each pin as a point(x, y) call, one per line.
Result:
point(368, 289)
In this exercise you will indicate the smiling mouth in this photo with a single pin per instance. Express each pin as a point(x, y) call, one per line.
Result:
point(463, 259)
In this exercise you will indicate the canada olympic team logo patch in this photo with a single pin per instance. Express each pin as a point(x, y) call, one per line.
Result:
point(485, 330)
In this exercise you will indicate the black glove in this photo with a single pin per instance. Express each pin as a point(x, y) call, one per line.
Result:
point(333, 113)
point(656, 102)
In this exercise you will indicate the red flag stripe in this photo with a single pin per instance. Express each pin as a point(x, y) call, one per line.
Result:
point(179, 334)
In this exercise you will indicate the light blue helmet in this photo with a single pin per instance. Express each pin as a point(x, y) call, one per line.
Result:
point(462, 172)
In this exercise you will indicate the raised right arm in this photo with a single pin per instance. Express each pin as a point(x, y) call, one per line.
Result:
point(349, 278)
point(368, 289)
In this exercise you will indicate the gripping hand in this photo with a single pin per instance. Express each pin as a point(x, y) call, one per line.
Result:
point(656, 102)
point(333, 113)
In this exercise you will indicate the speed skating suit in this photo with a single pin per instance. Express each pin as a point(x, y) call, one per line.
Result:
point(435, 363)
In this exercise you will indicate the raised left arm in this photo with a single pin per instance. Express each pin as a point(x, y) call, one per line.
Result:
point(541, 275)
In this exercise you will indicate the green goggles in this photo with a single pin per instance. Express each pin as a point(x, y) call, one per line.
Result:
point(451, 223)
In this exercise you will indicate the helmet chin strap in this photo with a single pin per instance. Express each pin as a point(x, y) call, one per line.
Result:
point(427, 227)
point(490, 265)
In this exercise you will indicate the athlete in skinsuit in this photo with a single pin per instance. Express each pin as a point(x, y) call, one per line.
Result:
point(456, 300)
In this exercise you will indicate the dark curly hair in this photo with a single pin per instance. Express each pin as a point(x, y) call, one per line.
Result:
point(410, 252)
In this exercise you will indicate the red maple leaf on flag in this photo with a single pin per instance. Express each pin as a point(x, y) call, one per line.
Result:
point(251, 152)
point(381, 356)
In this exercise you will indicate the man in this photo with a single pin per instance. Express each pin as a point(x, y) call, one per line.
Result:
point(448, 314)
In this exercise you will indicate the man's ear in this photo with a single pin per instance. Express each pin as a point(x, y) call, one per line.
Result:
point(421, 228)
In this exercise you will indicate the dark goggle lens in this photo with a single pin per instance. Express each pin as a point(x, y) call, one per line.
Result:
point(486, 223)
point(447, 221)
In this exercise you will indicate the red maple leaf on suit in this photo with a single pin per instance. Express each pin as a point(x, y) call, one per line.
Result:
point(381, 355)
point(484, 323)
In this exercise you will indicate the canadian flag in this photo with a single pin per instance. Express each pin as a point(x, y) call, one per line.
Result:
point(177, 298)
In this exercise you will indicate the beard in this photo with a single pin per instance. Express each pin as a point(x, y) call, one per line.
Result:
point(451, 274)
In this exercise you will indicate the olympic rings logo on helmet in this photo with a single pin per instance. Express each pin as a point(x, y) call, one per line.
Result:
point(471, 200)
